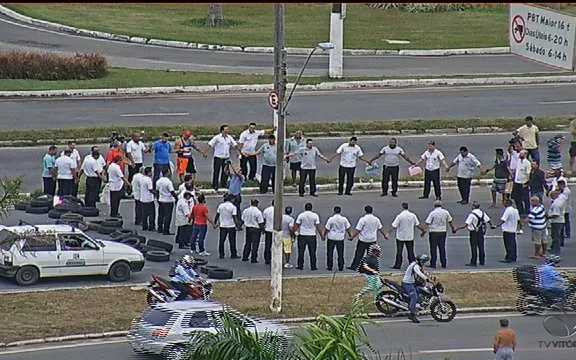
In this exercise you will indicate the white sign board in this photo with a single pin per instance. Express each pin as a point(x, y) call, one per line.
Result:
point(542, 35)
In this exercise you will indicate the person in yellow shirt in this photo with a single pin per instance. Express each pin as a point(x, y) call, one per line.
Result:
point(504, 341)
point(530, 139)
point(572, 145)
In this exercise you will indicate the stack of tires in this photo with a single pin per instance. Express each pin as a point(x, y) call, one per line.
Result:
point(41, 204)
point(71, 204)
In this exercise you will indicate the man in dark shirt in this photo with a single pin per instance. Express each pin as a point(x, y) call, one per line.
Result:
point(370, 268)
point(537, 181)
point(501, 176)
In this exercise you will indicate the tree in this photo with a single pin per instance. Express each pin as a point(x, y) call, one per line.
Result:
point(215, 16)
point(9, 194)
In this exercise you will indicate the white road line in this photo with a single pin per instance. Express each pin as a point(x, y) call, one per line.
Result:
point(59, 347)
point(156, 114)
point(557, 102)
point(454, 351)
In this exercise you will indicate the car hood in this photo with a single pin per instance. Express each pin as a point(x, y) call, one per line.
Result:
point(112, 247)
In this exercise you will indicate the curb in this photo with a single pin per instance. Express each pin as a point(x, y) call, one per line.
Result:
point(241, 49)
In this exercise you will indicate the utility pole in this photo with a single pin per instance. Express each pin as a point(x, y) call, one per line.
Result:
point(280, 88)
point(336, 62)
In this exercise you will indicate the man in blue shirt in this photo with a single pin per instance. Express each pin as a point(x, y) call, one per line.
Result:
point(48, 174)
point(162, 150)
point(551, 280)
point(183, 273)
point(237, 179)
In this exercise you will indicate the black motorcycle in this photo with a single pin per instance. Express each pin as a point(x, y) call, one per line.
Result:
point(431, 296)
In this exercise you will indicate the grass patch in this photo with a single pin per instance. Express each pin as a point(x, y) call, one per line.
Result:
point(306, 25)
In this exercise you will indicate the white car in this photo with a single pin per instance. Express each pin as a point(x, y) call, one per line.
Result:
point(28, 253)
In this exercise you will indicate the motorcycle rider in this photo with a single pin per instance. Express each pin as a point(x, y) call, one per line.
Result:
point(183, 273)
point(552, 281)
point(370, 268)
point(413, 275)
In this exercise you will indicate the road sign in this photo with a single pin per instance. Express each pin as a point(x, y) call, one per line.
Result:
point(274, 100)
point(518, 28)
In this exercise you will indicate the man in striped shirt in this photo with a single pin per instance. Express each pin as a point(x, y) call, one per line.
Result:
point(537, 221)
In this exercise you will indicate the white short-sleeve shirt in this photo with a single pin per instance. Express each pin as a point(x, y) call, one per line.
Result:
point(368, 225)
point(146, 185)
point(392, 156)
point(252, 217)
point(115, 177)
point(66, 167)
point(404, 224)
point(337, 226)
point(165, 188)
point(433, 159)
point(308, 221)
point(268, 214)
point(75, 155)
point(510, 216)
point(473, 218)
point(137, 150)
point(221, 145)
point(250, 140)
point(466, 165)
point(227, 211)
point(438, 219)
point(349, 155)
point(91, 166)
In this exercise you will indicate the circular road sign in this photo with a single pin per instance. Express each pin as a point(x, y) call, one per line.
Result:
point(518, 29)
point(273, 100)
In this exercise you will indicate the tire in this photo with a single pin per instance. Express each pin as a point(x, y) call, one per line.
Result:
point(438, 308)
point(221, 274)
point(132, 241)
point(145, 248)
point(55, 214)
point(68, 207)
point(161, 244)
point(81, 225)
point(158, 256)
point(72, 217)
point(43, 201)
point(93, 224)
point(27, 276)
point(206, 268)
point(36, 210)
point(90, 212)
point(73, 200)
point(112, 222)
point(177, 352)
point(384, 307)
point(201, 262)
point(120, 234)
point(105, 230)
point(529, 305)
point(119, 272)
point(21, 206)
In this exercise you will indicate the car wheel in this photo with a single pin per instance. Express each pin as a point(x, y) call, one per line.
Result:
point(201, 262)
point(43, 201)
point(55, 214)
point(206, 268)
point(90, 212)
point(72, 217)
point(27, 275)
point(158, 256)
point(93, 224)
point(37, 210)
point(21, 206)
point(105, 230)
point(161, 244)
point(221, 274)
point(178, 352)
point(119, 272)
point(131, 241)
point(113, 222)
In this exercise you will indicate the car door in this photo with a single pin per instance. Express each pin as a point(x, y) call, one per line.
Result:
point(40, 252)
point(79, 255)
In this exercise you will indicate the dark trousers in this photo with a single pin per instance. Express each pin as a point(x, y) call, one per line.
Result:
point(253, 161)
point(521, 197)
point(304, 173)
point(268, 172)
point(115, 197)
point(198, 236)
point(557, 234)
point(347, 172)
point(464, 188)
point(567, 230)
point(74, 189)
point(400, 245)
point(477, 248)
point(510, 245)
point(218, 173)
point(251, 244)
point(339, 245)
point(437, 242)
point(165, 216)
point(133, 171)
point(390, 172)
point(361, 249)
point(158, 168)
point(231, 234)
point(183, 234)
point(137, 212)
point(92, 191)
point(148, 215)
point(432, 176)
point(49, 185)
point(268, 236)
point(310, 242)
point(65, 186)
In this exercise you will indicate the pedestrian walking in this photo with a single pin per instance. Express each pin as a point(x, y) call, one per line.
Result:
point(117, 183)
point(94, 172)
point(501, 177)
point(554, 151)
point(254, 222)
point(307, 224)
point(162, 149)
point(147, 194)
point(556, 216)
point(437, 222)
point(247, 143)
point(404, 225)
point(308, 166)
point(335, 230)
point(200, 217)
point(520, 189)
point(227, 219)
point(184, 160)
point(529, 133)
point(135, 149)
point(433, 158)
point(566, 193)
point(237, 179)
point(467, 165)
point(182, 221)
point(537, 222)
point(136, 189)
point(268, 215)
point(49, 171)
point(349, 153)
point(537, 181)
point(221, 144)
point(391, 167)
point(166, 198)
point(287, 236)
point(367, 229)
point(66, 173)
point(268, 171)
point(476, 224)
point(504, 341)
point(294, 144)
point(510, 222)
point(75, 156)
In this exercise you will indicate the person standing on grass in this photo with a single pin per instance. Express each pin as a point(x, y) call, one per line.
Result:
point(184, 161)
point(336, 229)
point(476, 225)
point(162, 149)
point(117, 183)
point(135, 149)
point(94, 176)
point(510, 222)
point(166, 198)
point(74, 155)
point(287, 236)
point(530, 139)
point(537, 181)
point(221, 144)
point(367, 230)
point(200, 217)
point(520, 189)
point(566, 194)
point(308, 166)
point(404, 225)
point(136, 188)
point(147, 194)
point(66, 173)
point(370, 268)
point(254, 222)
point(437, 222)
point(556, 216)
point(307, 224)
point(181, 221)
point(467, 165)
point(391, 167)
point(227, 218)
point(268, 171)
point(501, 176)
point(349, 153)
point(433, 159)
point(247, 143)
point(504, 342)
point(48, 171)
point(536, 220)
point(294, 144)
point(268, 215)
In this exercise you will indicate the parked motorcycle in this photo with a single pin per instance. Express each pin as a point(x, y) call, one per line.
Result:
point(161, 291)
point(431, 296)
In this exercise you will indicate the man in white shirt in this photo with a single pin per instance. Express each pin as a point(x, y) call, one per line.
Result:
point(520, 188)
point(182, 221)
point(476, 225)
point(147, 194)
point(94, 176)
point(566, 194)
point(510, 222)
point(556, 216)
point(433, 158)
point(74, 155)
point(349, 153)
point(135, 149)
point(307, 224)
point(221, 144)
point(308, 166)
point(166, 198)
point(367, 230)
point(66, 173)
point(391, 166)
point(530, 139)
point(254, 221)
point(467, 165)
point(116, 182)
point(268, 214)
point(404, 225)
point(437, 223)
point(247, 142)
point(227, 218)
point(135, 185)
point(336, 229)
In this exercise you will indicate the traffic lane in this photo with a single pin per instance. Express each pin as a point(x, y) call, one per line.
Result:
point(352, 207)
point(28, 161)
point(324, 106)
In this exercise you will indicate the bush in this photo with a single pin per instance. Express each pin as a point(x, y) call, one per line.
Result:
point(17, 64)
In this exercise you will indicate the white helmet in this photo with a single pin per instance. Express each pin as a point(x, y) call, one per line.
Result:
point(188, 260)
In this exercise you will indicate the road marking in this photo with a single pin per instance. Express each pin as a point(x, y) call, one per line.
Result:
point(453, 351)
point(557, 102)
point(59, 347)
point(155, 114)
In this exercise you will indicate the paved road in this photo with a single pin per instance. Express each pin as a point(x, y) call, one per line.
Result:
point(426, 341)
point(15, 35)
point(378, 104)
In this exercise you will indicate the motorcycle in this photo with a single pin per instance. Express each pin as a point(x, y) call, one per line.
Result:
point(431, 296)
point(161, 291)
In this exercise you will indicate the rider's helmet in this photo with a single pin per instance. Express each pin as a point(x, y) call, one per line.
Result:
point(374, 249)
point(553, 260)
point(422, 259)
point(188, 261)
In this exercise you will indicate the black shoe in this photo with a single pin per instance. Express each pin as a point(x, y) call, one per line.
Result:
point(443, 266)
point(329, 269)
point(221, 257)
point(349, 194)
point(235, 257)
point(351, 268)
point(144, 229)
point(254, 262)
point(383, 194)
point(313, 195)
point(182, 247)
point(394, 195)
point(481, 264)
point(244, 259)
point(438, 197)
point(339, 194)
point(395, 267)
point(160, 231)
point(470, 264)
point(432, 266)
point(151, 229)
point(301, 195)
point(299, 268)
point(314, 269)
point(423, 197)
point(413, 318)
point(267, 263)
point(341, 269)
point(505, 261)
point(463, 202)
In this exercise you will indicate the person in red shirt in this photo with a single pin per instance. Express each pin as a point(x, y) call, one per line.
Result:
point(117, 151)
point(200, 219)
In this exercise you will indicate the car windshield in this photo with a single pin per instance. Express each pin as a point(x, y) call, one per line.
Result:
point(157, 317)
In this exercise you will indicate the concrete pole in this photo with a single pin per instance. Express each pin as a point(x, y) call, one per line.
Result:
point(280, 88)
point(336, 63)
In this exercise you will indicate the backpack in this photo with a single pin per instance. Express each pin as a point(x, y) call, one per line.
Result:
point(481, 226)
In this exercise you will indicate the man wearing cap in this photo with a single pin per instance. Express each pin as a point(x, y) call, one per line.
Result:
point(184, 160)
point(162, 150)
point(437, 222)
point(530, 140)
point(349, 153)
point(221, 144)
point(467, 165)
point(247, 143)
point(433, 158)
point(391, 167)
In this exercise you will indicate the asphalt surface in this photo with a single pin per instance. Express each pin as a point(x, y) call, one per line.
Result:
point(426, 341)
point(20, 36)
point(326, 106)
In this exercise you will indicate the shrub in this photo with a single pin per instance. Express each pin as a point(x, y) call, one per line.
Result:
point(17, 64)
